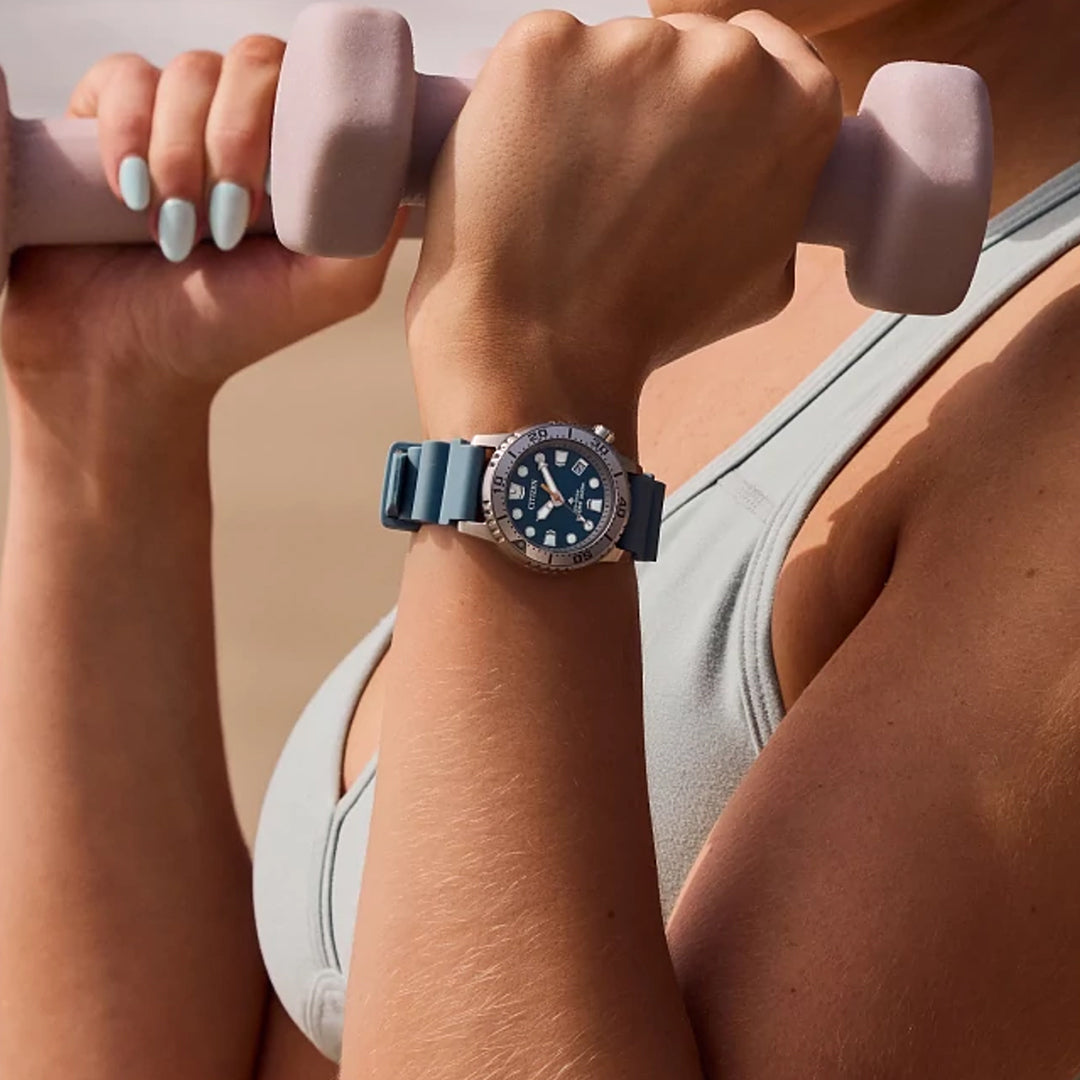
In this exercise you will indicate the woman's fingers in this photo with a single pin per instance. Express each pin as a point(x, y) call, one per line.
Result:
point(178, 149)
point(119, 92)
point(189, 143)
point(238, 136)
point(798, 58)
point(793, 50)
point(690, 20)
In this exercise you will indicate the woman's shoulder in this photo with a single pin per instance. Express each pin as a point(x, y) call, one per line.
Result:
point(981, 453)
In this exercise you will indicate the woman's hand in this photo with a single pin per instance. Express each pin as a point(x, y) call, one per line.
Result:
point(612, 198)
point(190, 320)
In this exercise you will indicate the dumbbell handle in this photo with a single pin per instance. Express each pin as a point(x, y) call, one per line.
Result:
point(59, 193)
point(905, 193)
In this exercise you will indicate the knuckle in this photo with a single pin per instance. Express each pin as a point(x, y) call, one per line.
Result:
point(128, 65)
point(128, 128)
point(198, 64)
point(736, 58)
point(130, 69)
point(238, 142)
point(178, 165)
point(259, 50)
point(543, 34)
point(745, 54)
point(635, 37)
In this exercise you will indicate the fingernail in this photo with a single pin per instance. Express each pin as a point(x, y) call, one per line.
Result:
point(176, 229)
point(230, 210)
point(135, 182)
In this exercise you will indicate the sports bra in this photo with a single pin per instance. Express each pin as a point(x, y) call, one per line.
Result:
point(712, 699)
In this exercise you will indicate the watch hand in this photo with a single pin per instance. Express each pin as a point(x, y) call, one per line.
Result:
point(549, 481)
point(545, 511)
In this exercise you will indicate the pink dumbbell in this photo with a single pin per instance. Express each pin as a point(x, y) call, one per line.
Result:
point(906, 193)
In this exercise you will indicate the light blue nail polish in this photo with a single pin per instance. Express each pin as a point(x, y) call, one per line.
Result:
point(230, 209)
point(135, 182)
point(176, 229)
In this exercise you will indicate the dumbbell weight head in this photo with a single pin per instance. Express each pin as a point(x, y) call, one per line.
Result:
point(343, 126)
point(907, 190)
point(357, 130)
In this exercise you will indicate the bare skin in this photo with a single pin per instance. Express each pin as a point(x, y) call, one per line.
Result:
point(996, 704)
point(791, 952)
point(693, 409)
point(136, 897)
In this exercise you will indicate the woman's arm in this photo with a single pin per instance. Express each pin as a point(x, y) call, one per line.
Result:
point(509, 921)
point(128, 940)
point(892, 890)
point(127, 944)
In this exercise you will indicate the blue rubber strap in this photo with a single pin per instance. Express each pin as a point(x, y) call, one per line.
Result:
point(438, 483)
point(642, 535)
point(432, 483)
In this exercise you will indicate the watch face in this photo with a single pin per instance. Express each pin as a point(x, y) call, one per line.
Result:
point(559, 495)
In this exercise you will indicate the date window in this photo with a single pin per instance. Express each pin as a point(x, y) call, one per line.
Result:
point(580, 466)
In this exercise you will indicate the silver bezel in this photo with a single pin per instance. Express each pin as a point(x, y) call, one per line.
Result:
point(616, 484)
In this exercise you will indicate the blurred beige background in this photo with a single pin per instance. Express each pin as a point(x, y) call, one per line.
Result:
point(302, 566)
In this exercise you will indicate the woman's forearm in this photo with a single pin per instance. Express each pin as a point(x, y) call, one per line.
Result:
point(128, 940)
point(509, 921)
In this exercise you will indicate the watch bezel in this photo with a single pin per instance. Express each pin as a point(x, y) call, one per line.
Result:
point(495, 490)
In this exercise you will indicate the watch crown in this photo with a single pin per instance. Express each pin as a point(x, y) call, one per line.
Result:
point(605, 433)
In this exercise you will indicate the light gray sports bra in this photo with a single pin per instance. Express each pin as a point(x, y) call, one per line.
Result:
point(712, 698)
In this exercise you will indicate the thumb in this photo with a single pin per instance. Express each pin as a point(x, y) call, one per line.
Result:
point(265, 298)
point(323, 291)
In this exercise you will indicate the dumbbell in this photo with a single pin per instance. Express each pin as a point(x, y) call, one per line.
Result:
point(356, 133)
point(906, 192)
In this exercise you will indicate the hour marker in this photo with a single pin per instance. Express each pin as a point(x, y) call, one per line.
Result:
point(517, 491)
point(549, 538)
point(517, 515)
point(562, 457)
point(580, 466)
point(596, 505)
point(530, 532)
point(523, 470)
point(571, 538)
point(589, 526)
point(594, 483)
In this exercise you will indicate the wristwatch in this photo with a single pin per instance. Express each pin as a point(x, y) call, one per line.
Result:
point(553, 496)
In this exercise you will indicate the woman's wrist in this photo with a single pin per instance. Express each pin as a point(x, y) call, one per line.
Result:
point(95, 449)
point(484, 382)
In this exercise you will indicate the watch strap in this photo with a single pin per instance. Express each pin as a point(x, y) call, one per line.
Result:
point(438, 483)
point(642, 534)
point(432, 483)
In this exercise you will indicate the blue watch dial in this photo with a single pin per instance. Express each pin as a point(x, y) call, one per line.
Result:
point(556, 497)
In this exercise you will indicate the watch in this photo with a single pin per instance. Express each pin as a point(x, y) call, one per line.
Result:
point(553, 496)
